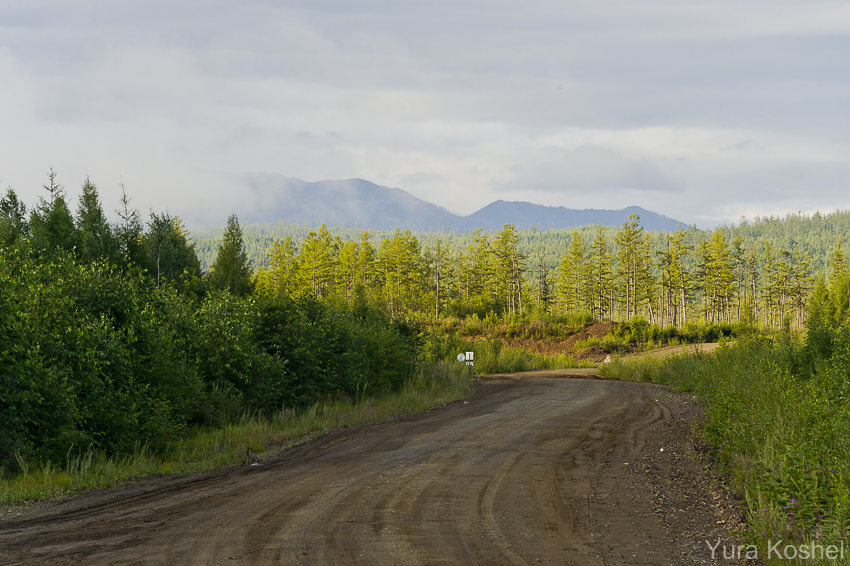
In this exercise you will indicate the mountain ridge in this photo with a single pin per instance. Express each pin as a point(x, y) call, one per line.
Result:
point(272, 197)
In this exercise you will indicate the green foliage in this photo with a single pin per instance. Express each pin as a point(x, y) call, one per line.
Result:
point(329, 351)
point(128, 232)
point(14, 227)
point(168, 252)
point(94, 234)
point(760, 273)
point(232, 269)
point(51, 224)
point(492, 357)
point(98, 358)
point(204, 448)
point(778, 420)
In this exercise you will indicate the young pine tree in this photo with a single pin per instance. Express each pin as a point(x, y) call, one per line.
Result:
point(232, 269)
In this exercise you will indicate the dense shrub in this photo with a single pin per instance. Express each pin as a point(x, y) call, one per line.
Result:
point(95, 357)
point(778, 419)
point(331, 351)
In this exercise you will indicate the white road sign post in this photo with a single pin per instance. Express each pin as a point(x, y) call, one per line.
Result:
point(467, 357)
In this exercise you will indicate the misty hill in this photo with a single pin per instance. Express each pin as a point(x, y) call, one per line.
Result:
point(524, 214)
point(355, 202)
point(349, 203)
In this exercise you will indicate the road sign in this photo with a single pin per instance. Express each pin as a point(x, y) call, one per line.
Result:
point(467, 358)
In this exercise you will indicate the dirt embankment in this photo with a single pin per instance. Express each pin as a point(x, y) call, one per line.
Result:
point(533, 469)
point(568, 346)
point(596, 353)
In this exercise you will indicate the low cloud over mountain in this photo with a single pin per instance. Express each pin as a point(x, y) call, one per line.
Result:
point(269, 198)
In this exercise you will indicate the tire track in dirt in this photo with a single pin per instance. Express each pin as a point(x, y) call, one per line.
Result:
point(520, 474)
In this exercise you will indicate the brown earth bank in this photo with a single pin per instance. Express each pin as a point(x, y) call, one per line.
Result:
point(595, 353)
point(566, 346)
point(535, 468)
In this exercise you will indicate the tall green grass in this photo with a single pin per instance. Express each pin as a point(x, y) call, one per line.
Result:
point(492, 357)
point(204, 449)
point(781, 435)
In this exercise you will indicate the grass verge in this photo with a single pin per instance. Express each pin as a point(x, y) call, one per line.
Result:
point(204, 449)
point(780, 435)
point(491, 357)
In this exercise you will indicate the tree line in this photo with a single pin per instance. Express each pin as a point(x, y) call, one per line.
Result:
point(612, 276)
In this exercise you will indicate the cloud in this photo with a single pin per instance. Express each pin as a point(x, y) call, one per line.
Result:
point(588, 168)
point(698, 110)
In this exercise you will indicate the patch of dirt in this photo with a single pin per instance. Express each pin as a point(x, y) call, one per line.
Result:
point(566, 346)
point(532, 469)
point(596, 354)
point(593, 330)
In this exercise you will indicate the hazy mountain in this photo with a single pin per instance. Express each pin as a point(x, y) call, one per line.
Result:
point(350, 202)
point(524, 214)
point(355, 202)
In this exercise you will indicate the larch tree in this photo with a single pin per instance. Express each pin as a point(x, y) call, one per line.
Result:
point(507, 269)
point(279, 275)
point(570, 281)
point(318, 260)
point(633, 265)
point(600, 280)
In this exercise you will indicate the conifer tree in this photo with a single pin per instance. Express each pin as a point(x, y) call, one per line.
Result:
point(14, 227)
point(675, 280)
point(600, 282)
point(633, 265)
point(128, 231)
point(544, 285)
point(95, 240)
point(279, 277)
point(51, 224)
point(232, 269)
point(839, 286)
point(168, 252)
point(318, 259)
point(570, 275)
point(507, 269)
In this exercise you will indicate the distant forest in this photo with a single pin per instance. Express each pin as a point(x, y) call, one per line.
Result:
point(762, 269)
point(815, 234)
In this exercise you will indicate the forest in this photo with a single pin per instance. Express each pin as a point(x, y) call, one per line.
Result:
point(118, 340)
point(609, 274)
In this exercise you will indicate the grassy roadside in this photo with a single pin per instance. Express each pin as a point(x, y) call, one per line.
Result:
point(492, 357)
point(779, 434)
point(204, 449)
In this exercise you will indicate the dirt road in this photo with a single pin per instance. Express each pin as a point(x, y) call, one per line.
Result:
point(533, 469)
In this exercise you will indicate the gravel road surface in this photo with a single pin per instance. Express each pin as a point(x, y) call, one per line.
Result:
point(536, 468)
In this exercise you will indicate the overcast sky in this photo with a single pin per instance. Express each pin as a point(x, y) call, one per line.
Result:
point(703, 111)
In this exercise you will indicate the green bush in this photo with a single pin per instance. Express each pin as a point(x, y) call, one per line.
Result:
point(779, 422)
